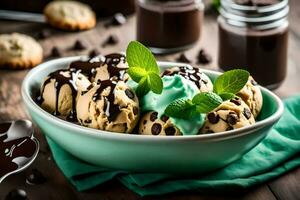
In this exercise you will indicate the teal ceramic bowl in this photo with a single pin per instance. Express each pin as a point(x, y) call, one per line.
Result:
point(139, 153)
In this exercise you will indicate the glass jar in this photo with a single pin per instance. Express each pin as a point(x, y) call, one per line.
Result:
point(168, 26)
point(255, 37)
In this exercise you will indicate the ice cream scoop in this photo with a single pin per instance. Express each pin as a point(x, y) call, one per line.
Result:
point(252, 96)
point(110, 106)
point(174, 87)
point(231, 114)
point(195, 75)
point(59, 92)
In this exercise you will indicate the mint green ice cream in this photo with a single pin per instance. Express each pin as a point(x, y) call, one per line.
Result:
point(175, 87)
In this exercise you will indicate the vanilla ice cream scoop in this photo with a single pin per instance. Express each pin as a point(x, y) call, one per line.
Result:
point(231, 114)
point(110, 106)
point(252, 96)
point(195, 75)
point(59, 92)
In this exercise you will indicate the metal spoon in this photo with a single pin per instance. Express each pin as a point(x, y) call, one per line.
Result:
point(18, 147)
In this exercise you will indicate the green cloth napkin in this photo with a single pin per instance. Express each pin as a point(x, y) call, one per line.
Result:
point(275, 155)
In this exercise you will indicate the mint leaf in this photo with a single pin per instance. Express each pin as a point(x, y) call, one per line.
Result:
point(226, 96)
point(231, 81)
point(143, 87)
point(155, 83)
point(137, 55)
point(206, 101)
point(181, 108)
point(137, 73)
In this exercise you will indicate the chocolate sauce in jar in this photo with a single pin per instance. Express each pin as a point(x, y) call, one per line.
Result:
point(169, 26)
point(256, 40)
point(13, 151)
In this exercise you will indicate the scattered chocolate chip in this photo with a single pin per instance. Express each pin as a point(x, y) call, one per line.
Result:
point(213, 117)
point(16, 194)
point(129, 94)
point(253, 82)
point(183, 58)
point(164, 118)
point(111, 40)
point(35, 177)
point(236, 101)
point(135, 110)
point(170, 130)
point(94, 53)
point(247, 113)
point(229, 128)
point(156, 129)
point(43, 34)
point(153, 116)
point(232, 119)
point(78, 45)
point(145, 121)
point(203, 57)
point(55, 52)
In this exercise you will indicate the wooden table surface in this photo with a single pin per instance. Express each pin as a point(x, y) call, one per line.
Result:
point(57, 187)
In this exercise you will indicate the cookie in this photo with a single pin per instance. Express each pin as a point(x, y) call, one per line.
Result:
point(70, 15)
point(19, 51)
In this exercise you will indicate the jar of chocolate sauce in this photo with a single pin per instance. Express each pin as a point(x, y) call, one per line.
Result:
point(168, 26)
point(253, 34)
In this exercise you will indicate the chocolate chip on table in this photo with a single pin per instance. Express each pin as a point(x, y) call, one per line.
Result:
point(247, 113)
point(117, 20)
point(55, 52)
point(203, 57)
point(35, 177)
point(78, 45)
point(153, 116)
point(94, 53)
point(170, 130)
point(16, 194)
point(213, 117)
point(232, 119)
point(164, 118)
point(129, 94)
point(156, 129)
point(183, 58)
point(111, 40)
point(43, 34)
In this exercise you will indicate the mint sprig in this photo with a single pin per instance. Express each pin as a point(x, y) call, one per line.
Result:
point(143, 69)
point(225, 88)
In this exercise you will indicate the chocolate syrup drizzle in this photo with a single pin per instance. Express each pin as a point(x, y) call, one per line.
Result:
point(112, 61)
point(61, 80)
point(86, 67)
point(13, 151)
point(110, 108)
point(189, 73)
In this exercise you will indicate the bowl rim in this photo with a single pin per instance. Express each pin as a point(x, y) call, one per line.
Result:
point(28, 101)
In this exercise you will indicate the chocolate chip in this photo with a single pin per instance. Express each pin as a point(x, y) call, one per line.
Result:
point(153, 116)
point(135, 110)
point(213, 117)
point(203, 57)
point(232, 119)
point(247, 113)
point(111, 40)
point(55, 52)
point(87, 121)
point(229, 128)
point(164, 118)
point(43, 34)
point(78, 45)
point(16, 194)
point(129, 94)
point(144, 122)
point(236, 101)
point(170, 130)
point(94, 53)
point(35, 177)
point(183, 58)
point(156, 129)
point(118, 19)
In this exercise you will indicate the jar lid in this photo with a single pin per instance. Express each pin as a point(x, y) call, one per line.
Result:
point(258, 17)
